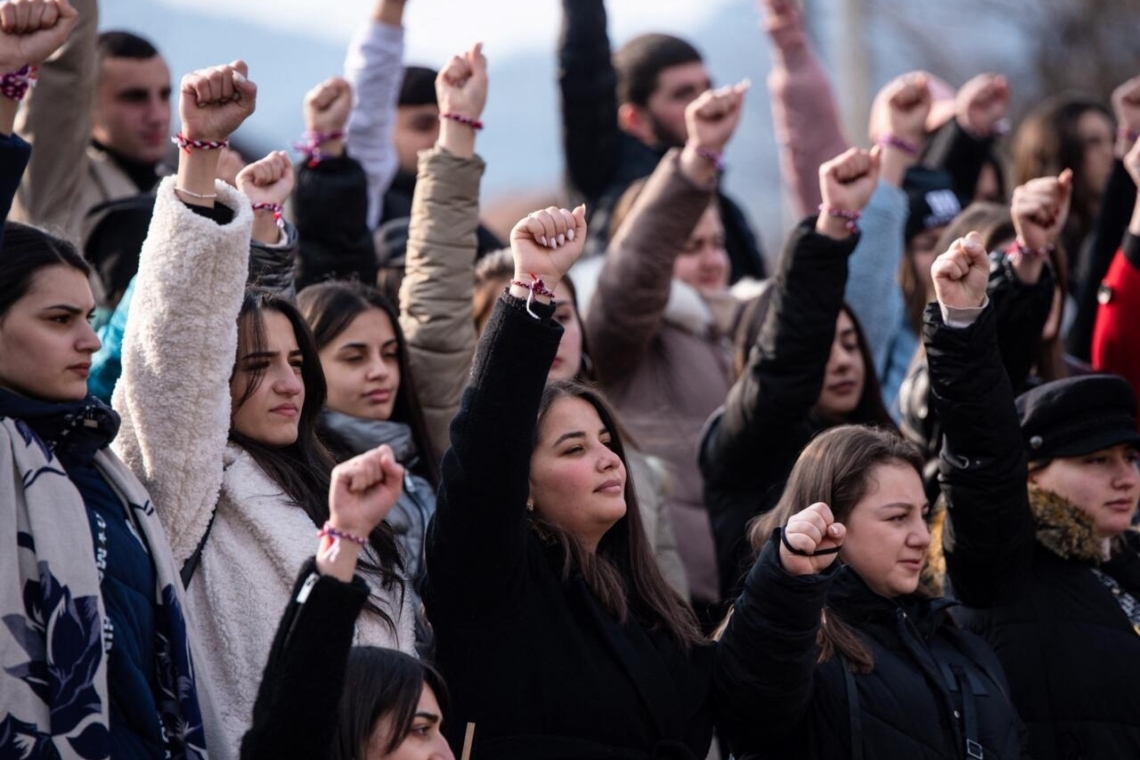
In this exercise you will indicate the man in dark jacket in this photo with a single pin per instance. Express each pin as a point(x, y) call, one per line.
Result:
point(620, 116)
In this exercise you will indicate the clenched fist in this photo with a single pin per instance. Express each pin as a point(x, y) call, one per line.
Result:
point(32, 31)
point(215, 101)
point(962, 273)
point(814, 532)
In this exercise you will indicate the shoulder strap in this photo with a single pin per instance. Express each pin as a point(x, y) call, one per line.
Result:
point(852, 709)
point(191, 563)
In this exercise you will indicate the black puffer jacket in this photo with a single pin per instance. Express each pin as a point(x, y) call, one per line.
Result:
point(774, 699)
point(750, 445)
point(1071, 655)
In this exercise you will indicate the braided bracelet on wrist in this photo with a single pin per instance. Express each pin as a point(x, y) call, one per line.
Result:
point(461, 119)
point(277, 209)
point(536, 287)
point(310, 145)
point(188, 144)
point(851, 218)
point(328, 531)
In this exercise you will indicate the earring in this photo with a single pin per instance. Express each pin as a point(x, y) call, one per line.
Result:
point(530, 506)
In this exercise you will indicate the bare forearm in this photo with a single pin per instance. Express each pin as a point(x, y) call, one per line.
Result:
point(196, 172)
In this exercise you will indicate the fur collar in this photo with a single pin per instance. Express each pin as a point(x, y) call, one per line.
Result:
point(1063, 528)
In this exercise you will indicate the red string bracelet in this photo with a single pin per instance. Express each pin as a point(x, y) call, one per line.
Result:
point(277, 209)
point(851, 217)
point(900, 143)
point(328, 531)
point(187, 144)
point(536, 287)
point(473, 123)
point(310, 145)
point(712, 156)
point(15, 84)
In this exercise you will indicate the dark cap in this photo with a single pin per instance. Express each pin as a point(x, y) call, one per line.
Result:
point(931, 198)
point(418, 87)
point(1077, 416)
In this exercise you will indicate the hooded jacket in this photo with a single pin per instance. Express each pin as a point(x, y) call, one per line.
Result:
point(1025, 567)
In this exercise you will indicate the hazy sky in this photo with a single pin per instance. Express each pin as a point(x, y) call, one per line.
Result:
point(439, 28)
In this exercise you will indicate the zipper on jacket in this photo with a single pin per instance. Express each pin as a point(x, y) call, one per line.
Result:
point(307, 587)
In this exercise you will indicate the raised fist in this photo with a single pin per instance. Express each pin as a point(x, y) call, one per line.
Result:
point(1040, 207)
point(981, 103)
point(847, 181)
point(714, 115)
point(784, 24)
point(813, 530)
point(363, 490)
point(215, 101)
point(269, 180)
point(328, 105)
point(961, 274)
point(32, 31)
point(1126, 105)
point(547, 243)
point(461, 87)
point(901, 108)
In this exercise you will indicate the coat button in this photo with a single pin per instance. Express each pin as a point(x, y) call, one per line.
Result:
point(1036, 442)
point(1104, 294)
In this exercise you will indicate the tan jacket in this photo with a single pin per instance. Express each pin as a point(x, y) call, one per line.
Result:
point(439, 280)
point(660, 354)
point(67, 176)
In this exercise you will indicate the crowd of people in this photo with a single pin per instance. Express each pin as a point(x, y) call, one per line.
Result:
point(606, 489)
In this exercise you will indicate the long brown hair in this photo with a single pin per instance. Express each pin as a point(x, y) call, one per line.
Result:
point(303, 468)
point(835, 469)
point(622, 573)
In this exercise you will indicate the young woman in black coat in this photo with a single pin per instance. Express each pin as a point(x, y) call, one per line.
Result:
point(1050, 575)
point(808, 369)
point(853, 659)
point(557, 634)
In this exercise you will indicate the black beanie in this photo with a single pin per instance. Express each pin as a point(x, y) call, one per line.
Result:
point(418, 87)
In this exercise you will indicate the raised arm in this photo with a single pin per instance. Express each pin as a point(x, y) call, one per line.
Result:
point(477, 541)
point(330, 203)
point(989, 539)
point(1111, 221)
point(898, 123)
point(1117, 332)
point(965, 143)
point(57, 115)
point(14, 152)
point(767, 657)
point(435, 296)
point(803, 105)
point(748, 442)
point(628, 307)
point(181, 340)
point(295, 714)
point(591, 138)
point(267, 184)
point(374, 68)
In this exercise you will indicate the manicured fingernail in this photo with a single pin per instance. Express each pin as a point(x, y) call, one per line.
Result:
point(542, 240)
point(238, 77)
point(561, 240)
point(570, 235)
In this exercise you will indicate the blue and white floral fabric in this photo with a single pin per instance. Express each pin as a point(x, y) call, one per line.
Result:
point(54, 629)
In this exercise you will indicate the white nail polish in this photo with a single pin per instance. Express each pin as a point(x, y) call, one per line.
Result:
point(542, 240)
point(570, 235)
point(561, 240)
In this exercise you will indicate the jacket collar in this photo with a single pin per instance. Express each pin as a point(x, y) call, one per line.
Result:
point(1063, 528)
point(855, 602)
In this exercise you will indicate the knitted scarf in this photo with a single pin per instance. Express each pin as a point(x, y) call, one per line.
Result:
point(54, 632)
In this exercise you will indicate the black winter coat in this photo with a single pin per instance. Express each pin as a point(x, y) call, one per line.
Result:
point(295, 714)
point(932, 687)
point(602, 161)
point(750, 445)
point(535, 661)
point(1069, 651)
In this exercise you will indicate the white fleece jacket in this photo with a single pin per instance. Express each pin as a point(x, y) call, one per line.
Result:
point(178, 353)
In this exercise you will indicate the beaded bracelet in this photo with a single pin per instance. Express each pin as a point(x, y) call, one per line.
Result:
point(1018, 251)
point(328, 531)
point(15, 84)
point(187, 144)
point(900, 143)
point(473, 123)
point(277, 209)
point(712, 156)
point(310, 145)
point(851, 217)
point(536, 287)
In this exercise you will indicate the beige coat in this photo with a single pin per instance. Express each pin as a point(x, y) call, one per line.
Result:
point(174, 398)
point(660, 351)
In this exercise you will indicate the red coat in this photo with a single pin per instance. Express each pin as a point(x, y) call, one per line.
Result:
point(1116, 339)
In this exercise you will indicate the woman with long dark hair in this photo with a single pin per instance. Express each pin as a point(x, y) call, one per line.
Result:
point(853, 658)
point(808, 368)
point(538, 563)
point(96, 658)
point(221, 396)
